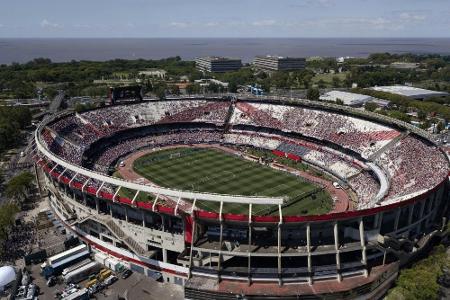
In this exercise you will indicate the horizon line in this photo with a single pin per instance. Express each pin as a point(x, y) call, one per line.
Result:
point(227, 37)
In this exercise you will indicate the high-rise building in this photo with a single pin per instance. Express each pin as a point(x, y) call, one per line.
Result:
point(279, 63)
point(217, 64)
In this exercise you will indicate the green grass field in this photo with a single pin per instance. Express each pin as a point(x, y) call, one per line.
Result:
point(214, 171)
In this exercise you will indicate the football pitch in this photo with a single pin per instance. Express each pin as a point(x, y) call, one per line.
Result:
point(215, 171)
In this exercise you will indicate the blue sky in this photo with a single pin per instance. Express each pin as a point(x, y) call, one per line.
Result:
point(225, 18)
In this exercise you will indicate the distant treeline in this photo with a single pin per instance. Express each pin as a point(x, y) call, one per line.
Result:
point(19, 80)
point(76, 77)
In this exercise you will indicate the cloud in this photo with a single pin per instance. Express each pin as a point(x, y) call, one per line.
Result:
point(212, 24)
point(412, 17)
point(264, 23)
point(314, 3)
point(179, 24)
point(394, 22)
point(47, 24)
point(83, 26)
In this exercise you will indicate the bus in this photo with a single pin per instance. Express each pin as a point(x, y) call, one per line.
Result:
point(82, 273)
point(57, 263)
point(60, 257)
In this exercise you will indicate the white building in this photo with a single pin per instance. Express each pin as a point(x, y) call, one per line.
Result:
point(404, 65)
point(207, 82)
point(350, 99)
point(409, 91)
point(279, 63)
point(153, 73)
point(217, 64)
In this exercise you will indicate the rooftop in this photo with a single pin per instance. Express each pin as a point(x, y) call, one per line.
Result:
point(346, 97)
point(276, 57)
point(217, 58)
point(409, 91)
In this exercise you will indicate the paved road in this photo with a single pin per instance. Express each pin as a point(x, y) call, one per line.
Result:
point(138, 287)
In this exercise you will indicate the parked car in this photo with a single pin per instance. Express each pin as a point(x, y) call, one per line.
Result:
point(110, 280)
point(51, 281)
point(127, 273)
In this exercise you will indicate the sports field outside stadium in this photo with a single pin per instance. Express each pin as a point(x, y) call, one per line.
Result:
point(215, 171)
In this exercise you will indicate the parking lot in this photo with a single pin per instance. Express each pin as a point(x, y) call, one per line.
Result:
point(137, 286)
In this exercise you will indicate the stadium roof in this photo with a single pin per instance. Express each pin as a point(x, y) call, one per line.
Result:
point(351, 99)
point(409, 91)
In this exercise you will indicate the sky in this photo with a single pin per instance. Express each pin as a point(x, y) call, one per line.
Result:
point(224, 18)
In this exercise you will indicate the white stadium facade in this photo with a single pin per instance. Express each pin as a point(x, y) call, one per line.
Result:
point(397, 172)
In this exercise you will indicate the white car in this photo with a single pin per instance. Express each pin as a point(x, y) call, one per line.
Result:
point(110, 280)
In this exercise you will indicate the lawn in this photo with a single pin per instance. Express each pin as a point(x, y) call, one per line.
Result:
point(215, 171)
point(328, 78)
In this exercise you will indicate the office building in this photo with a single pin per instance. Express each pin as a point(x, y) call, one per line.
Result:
point(279, 63)
point(217, 64)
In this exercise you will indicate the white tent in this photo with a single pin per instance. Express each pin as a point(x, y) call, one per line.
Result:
point(7, 275)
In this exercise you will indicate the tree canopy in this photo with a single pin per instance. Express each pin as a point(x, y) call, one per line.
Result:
point(313, 94)
point(420, 281)
point(12, 121)
point(18, 187)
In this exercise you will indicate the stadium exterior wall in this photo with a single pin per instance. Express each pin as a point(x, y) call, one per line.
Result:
point(307, 250)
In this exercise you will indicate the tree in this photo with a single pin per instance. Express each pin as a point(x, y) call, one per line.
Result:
point(160, 93)
point(336, 81)
point(420, 281)
point(425, 125)
point(2, 179)
point(321, 84)
point(19, 187)
point(265, 85)
point(193, 88)
point(339, 101)
point(175, 90)
point(213, 88)
point(370, 106)
point(439, 127)
point(232, 87)
point(50, 92)
point(21, 115)
point(9, 135)
point(400, 116)
point(313, 94)
point(7, 214)
point(421, 115)
point(307, 81)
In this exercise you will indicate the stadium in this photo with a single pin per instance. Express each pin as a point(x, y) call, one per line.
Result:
point(247, 198)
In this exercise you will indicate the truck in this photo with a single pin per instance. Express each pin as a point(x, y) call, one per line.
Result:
point(82, 273)
point(91, 283)
point(82, 294)
point(58, 262)
point(104, 273)
point(76, 266)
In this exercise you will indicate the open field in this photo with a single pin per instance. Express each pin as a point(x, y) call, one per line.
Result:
point(214, 171)
point(328, 78)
